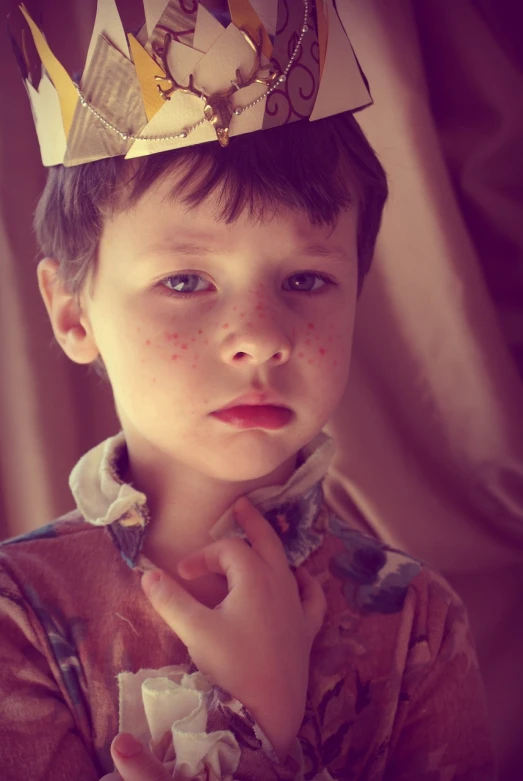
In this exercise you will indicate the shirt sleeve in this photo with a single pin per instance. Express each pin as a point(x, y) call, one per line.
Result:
point(38, 736)
point(198, 730)
point(441, 731)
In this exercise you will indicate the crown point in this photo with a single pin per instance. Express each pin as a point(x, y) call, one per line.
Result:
point(305, 29)
point(282, 78)
point(237, 111)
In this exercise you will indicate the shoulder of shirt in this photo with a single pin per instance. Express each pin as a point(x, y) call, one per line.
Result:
point(71, 523)
point(381, 576)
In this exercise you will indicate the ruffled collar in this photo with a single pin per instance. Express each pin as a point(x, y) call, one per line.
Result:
point(293, 509)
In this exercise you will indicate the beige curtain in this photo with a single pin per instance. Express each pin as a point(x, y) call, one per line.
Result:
point(430, 431)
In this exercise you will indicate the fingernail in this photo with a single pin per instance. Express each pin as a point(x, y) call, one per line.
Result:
point(127, 746)
point(149, 581)
point(241, 505)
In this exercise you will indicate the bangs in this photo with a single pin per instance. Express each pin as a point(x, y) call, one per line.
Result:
point(258, 172)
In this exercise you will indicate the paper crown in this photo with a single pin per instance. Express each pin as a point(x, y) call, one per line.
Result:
point(191, 75)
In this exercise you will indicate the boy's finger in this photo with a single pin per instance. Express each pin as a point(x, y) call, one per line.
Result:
point(313, 599)
point(179, 609)
point(140, 766)
point(260, 533)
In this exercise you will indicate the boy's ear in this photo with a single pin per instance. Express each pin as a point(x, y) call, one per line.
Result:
point(70, 325)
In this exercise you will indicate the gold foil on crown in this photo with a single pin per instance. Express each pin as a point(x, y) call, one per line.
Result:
point(63, 83)
point(244, 16)
point(147, 70)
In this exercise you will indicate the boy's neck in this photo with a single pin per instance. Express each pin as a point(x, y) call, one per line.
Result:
point(184, 506)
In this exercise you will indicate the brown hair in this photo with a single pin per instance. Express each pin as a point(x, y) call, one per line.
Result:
point(318, 167)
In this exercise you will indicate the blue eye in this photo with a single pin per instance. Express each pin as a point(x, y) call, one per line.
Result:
point(169, 284)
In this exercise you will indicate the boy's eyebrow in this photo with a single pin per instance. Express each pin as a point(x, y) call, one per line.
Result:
point(191, 249)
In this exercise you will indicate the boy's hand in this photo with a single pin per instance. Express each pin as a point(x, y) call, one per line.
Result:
point(133, 762)
point(256, 643)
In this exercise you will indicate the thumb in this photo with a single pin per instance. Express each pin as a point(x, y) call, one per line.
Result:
point(134, 762)
point(313, 599)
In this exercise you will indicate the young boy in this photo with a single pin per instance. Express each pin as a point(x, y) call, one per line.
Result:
point(215, 288)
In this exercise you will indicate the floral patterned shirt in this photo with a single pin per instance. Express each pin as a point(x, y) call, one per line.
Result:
point(395, 693)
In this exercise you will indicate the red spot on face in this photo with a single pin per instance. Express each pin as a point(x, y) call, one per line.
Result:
point(242, 314)
point(322, 351)
point(225, 325)
point(300, 355)
point(200, 332)
point(184, 346)
point(310, 325)
point(148, 341)
point(193, 339)
point(330, 338)
point(335, 363)
point(174, 357)
point(307, 341)
point(310, 361)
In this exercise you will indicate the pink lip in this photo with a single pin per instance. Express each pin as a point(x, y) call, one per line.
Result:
point(255, 398)
point(255, 416)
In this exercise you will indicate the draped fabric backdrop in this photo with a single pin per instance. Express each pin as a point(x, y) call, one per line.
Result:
point(430, 430)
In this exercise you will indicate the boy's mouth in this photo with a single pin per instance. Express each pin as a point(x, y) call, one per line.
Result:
point(255, 416)
point(256, 398)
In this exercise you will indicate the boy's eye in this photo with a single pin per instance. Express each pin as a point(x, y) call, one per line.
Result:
point(185, 284)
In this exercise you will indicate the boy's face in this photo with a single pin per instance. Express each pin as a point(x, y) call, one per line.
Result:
point(172, 360)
